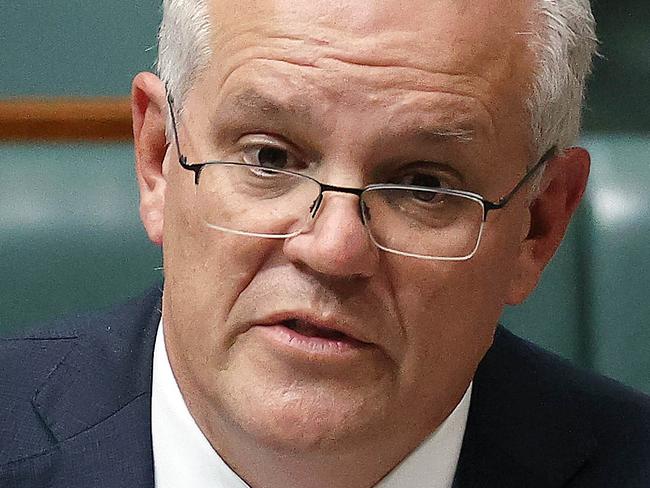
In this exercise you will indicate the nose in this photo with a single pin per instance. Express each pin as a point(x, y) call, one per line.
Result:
point(337, 243)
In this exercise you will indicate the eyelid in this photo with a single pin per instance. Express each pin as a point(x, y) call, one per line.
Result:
point(449, 177)
point(264, 140)
point(272, 140)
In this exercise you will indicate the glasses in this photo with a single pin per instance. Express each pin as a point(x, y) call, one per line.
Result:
point(415, 221)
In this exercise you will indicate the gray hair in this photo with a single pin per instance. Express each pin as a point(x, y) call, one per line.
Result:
point(184, 45)
point(563, 42)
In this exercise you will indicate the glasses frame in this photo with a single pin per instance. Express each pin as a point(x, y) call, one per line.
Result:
point(487, 205)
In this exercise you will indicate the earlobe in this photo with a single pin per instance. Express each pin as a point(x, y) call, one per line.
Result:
point(550, 212)
point(149, 121)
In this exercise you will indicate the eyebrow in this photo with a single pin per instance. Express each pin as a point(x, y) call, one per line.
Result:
point(433, 134)
point(252, 103)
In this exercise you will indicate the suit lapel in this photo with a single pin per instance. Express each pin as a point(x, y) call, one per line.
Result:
point(96, 406)
point(522, 430)
point(113, 453)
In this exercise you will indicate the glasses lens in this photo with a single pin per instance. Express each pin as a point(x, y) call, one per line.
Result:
point(423, 223)
point(255, 200)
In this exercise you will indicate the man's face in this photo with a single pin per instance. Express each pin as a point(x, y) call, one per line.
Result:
point(359, 92)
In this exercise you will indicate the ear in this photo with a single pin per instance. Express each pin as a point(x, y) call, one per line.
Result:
point(148, 106)
point(562, 187)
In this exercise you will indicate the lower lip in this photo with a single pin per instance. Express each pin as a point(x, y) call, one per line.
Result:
point(285, 337)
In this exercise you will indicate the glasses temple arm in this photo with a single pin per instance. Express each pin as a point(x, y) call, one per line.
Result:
point(170, 102)
point(503, 201)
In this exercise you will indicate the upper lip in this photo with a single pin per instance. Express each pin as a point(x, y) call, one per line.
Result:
point(332, 323)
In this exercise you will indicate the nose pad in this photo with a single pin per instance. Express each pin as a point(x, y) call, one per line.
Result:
point(313, 209)
point(316, 205)
point(365, 212)
point(335, 242)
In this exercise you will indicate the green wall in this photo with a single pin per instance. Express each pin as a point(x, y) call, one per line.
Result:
point(70, 238)
point(75, 47)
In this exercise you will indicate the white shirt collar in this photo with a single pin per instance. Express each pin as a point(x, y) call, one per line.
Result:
point(184, 457)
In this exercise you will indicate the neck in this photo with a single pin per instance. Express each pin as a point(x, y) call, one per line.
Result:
point(329, 465)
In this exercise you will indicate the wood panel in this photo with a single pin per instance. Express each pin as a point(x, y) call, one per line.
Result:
point(66, 119)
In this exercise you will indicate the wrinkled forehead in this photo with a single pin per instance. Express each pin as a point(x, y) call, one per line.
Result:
point(484, 37)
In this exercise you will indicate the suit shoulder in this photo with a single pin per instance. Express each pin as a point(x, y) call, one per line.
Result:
point(27, 353)
point(94, 359)
point(551, 374)
point(566, 397)
point(556, 420)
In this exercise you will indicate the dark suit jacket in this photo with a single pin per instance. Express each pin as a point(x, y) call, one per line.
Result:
point(75, 412)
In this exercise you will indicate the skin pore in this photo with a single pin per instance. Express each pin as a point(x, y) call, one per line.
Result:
point(354, 92)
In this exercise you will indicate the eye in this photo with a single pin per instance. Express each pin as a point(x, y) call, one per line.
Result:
point(268, 156)
point(422, 179)
point(426, 180)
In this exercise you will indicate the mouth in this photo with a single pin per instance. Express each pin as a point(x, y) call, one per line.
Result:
point(310, 330)
point(310, 338)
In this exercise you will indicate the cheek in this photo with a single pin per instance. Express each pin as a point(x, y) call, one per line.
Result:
point(205, 271)
point(447, 304)
point(447, 294)
point(449, 311)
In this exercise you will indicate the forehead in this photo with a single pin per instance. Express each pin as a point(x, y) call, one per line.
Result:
point(413, 59)
point(473, 36)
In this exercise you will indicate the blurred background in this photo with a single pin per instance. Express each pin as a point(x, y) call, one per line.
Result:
point(70, 238)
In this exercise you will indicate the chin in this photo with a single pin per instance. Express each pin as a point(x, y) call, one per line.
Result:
point(290, 417)
point(304, 428)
